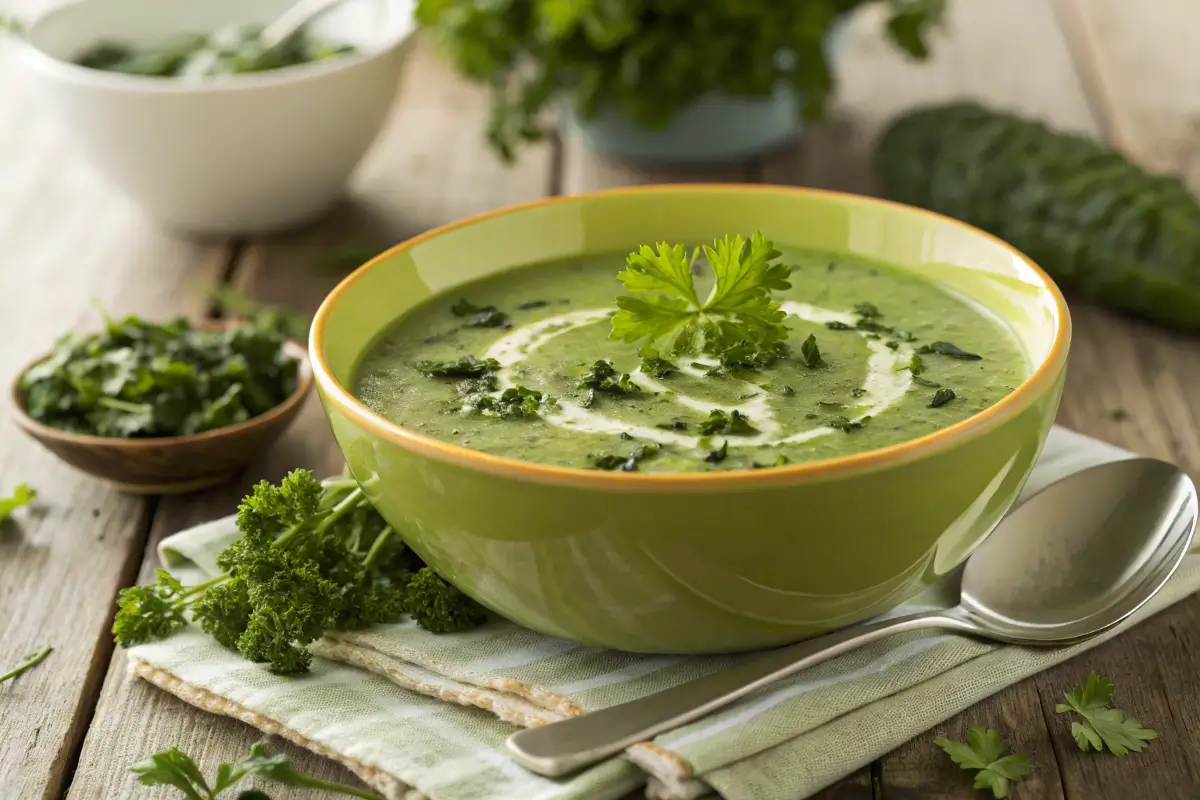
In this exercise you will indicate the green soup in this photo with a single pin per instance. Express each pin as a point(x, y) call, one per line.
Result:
point(899, 358)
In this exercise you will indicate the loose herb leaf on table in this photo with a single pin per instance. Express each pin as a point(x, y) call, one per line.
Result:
point(175, 768)
point(665, 308)
point(314, 556)
point(985, 751)
point(30, 661)
point(1102, 725)
point(22, 495)
point(138, 379)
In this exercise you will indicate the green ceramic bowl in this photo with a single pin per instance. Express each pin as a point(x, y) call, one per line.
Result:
point(683, 563)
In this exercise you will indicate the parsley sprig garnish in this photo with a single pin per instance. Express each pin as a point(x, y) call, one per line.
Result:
point(175, 768)
point(665, 310)
point(1102, 725)
point(313, 557)
point(985, 751)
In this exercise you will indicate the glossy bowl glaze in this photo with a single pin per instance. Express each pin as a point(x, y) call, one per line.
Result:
point(683, 563)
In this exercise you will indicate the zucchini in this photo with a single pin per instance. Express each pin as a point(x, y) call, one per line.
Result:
point(1099, 224)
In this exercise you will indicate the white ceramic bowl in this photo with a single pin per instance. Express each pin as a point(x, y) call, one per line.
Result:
point(239, 154)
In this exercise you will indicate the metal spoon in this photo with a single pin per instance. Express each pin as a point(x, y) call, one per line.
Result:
point(1073, 561)
point(292, 20)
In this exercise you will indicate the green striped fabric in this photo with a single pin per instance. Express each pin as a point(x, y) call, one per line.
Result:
point(419, 715)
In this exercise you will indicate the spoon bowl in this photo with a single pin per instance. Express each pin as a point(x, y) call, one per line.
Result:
point(1075, 560)
point(1083, 555)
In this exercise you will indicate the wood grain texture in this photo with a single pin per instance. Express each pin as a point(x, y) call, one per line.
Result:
point(1144, 77)
point(1008, 54)
point(68, 241)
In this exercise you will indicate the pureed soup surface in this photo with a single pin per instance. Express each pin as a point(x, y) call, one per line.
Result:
point(552, 323)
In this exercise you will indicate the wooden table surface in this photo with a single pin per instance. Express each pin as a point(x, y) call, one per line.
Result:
point(73, 726)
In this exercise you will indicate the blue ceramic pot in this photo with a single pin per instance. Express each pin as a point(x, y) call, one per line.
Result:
point(716, 128)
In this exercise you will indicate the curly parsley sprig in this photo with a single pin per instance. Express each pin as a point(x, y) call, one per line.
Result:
point(313, 557)
point(665, 310)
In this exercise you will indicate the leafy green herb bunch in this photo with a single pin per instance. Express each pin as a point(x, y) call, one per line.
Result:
point(648, 58)
point(137, 379)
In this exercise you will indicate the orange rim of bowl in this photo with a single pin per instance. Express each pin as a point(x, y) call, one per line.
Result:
point(1015, 401)
point(304, 382)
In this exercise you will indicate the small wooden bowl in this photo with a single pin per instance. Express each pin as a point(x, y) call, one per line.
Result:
point(170, 464)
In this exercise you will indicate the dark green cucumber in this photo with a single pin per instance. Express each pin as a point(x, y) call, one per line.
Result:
point(1098, 223)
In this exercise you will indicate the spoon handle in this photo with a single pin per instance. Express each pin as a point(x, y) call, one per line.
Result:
point(562, 747)
point(293, 20)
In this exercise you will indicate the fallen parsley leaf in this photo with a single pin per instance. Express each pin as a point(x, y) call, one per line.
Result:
point(984, 751)
point(810, 354)
point(718, 455)
point(612, 461)
point(465, 367)
point(31, 661)
point(603, 377)
point(867, 310)
point(478, 316)
point(1102, 725)
point(514, 402)
point(947, 349)
point(941, 397)
point(735, 424)
point(657, 367)
point(745, 354)
point(175, 768)
point(22, 495)
point(665, 307)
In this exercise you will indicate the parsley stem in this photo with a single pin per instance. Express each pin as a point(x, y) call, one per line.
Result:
point(31, 661)
point(377, 547)
point(200, 587)
point(348, 504)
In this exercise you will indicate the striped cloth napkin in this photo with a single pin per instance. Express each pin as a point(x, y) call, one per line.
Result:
point(423, 716)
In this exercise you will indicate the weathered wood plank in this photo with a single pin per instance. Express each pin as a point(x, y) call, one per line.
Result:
point(430, 167)
point(586, 171)
point(68, 241)
point(1151, 666)
point(1143, 75)
point(1010, 55)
